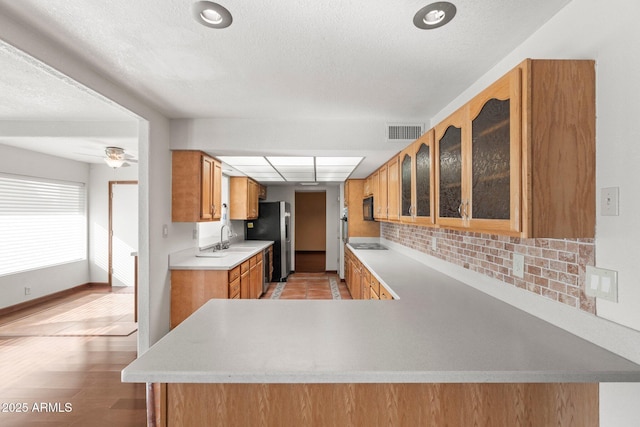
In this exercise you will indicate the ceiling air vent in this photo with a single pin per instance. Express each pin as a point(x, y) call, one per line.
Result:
point(402, 132)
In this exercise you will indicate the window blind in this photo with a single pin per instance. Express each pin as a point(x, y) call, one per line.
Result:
point(42, 223)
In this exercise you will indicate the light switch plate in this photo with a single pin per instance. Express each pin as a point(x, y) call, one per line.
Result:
point(609, 200)
point(518, 265)
point(434, 244)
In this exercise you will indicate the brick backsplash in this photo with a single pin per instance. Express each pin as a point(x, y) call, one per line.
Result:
point(554, 268)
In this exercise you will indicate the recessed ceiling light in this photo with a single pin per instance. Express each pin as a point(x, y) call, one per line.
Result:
point(434, 15)
point(211, 14)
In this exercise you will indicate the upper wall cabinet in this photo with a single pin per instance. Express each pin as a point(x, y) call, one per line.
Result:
point(519, 158)
point(243, 198)
point(380, 211)
point(451, 146)
point(195, 187)
point(416, 181)
point(393, 189)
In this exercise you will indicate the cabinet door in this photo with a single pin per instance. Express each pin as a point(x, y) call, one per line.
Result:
point(495, 156)
point(381, 207)
point(374, 186)
point(406, 185)
point(450, 137)
point(423, 178)
point(253, 200)
point(216, 190)
point(206, 189)
point(245, 285)
point(393, 189)
point(256, 279)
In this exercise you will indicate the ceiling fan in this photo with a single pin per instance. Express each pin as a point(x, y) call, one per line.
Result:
point(116, 157)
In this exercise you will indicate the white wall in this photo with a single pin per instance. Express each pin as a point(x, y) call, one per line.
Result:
point(99, 177)
point(251, 137)
point(48, 280)
point(333, 227)
point(580, 30)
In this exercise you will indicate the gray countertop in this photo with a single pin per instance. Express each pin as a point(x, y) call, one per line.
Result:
point(234, 256)
point(440, 330)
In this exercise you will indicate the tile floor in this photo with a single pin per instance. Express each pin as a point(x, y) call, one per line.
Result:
point(309, 286)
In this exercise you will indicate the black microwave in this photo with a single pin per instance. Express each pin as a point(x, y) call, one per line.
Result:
point(367, 208)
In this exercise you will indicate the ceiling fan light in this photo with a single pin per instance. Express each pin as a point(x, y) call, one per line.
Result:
point(114, 163)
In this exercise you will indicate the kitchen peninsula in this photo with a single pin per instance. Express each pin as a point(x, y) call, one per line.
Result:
point(443, 353)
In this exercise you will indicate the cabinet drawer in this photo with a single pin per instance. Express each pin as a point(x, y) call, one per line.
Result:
point(234, 289)
point(254, 260)
point(234, 274)
point(244, 267)
point(258, 257)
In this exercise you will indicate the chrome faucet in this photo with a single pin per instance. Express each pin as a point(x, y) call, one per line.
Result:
point(224, 244)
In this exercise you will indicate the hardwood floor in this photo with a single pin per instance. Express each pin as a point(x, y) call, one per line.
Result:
point(309, 286)
point(68, 380)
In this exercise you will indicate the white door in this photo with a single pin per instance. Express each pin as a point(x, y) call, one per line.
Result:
point(124, 238)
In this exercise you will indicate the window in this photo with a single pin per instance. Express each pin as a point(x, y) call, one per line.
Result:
point(42, 223)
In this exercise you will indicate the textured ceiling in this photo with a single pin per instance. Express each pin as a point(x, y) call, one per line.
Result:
point(307, 59)
point(278, 60)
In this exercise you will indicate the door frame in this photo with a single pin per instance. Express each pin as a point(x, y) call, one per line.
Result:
point(110, 232)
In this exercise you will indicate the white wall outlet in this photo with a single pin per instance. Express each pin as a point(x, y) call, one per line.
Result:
point(397, 232)
point(518, 265)
point(194, 233)
point(602, 283)
point(165, 231)
point(592, 279)
point(609, 201)
point(434, 244)
point(27, 290)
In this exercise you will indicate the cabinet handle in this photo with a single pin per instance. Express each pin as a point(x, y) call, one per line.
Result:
point(460, 209)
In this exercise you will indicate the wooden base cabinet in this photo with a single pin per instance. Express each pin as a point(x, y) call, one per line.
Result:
point(444, 404)
point(519, 158)
point(191, 289)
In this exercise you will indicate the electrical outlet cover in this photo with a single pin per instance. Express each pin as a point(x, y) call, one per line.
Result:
point(518, 265)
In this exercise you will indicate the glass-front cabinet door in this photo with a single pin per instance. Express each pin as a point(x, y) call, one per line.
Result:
point(416, 164)
point(495, 156)
point(406, 185)
point(450, 145)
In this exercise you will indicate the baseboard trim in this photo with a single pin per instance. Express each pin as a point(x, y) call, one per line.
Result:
point(55, 295)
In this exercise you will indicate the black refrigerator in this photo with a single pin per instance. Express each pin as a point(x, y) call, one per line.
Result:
point(274, 223)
